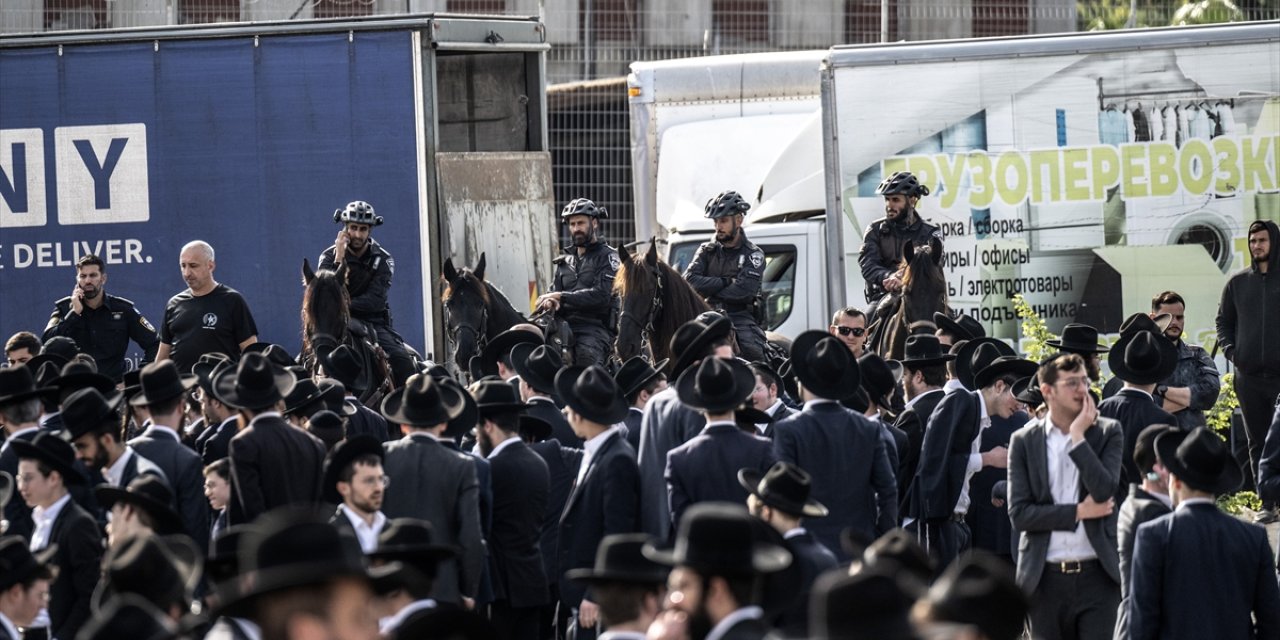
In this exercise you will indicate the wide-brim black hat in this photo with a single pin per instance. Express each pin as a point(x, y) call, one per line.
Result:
point(79, 375)
point(717, 385)
point(964, 358)
point(1200, 459)
point(273, 352)
point(785, 488)
point(160, 381)
point(341, 456)
point(534, 428)
point(412, 542)
point(342, 365)
point(1078, 338)
point(54, 452)
point(207, 367)
point(825, 370)
point(223, 562)
point(423, 402)
point(128, 616)
point(869, 605)
point(149, 493)
point(154, 567)
point(620, 558)
point(716, 538)
point(465, 421)
point(334, 394)
point(924, 351)
point(19, 562)
point(85, 410)
point(748, 414)
point(493, 395)
point(537, 364)
point(1143, 357)
point(255, 383)
point(879, 376)
point(980, 590)
point(303, 393)
point(18, 384)
point(41, 359)
point(1002, 366)
point(1027, 391)
point(592, 394)
point(502, 344)
point(693, 339)
point(635, 373)
point(328, 426)
point(962, 326)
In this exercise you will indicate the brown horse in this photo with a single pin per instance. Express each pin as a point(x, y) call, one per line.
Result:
point(924, 291)
point(656, 300)
point(327, 323)
point(474, 310)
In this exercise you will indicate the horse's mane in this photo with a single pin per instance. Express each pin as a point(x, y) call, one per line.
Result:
point(466, 282)
point(680, 301)
point(922, 269)
point(326, 294)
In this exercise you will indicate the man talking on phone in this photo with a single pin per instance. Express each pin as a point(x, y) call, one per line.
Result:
point(369, 271)
point(100, 324)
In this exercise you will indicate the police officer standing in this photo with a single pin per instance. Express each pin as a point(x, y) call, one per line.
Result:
point(886, 238)
point(369, 271)
point(101, 324)
point(727, 271)
point(582, 293)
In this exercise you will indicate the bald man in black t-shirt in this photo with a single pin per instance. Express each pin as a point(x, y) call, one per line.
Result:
point(208, 317)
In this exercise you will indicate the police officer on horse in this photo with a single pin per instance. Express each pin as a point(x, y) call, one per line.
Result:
point(582, 292)
point(369, 271)
point(883, 244)
point(727, 271)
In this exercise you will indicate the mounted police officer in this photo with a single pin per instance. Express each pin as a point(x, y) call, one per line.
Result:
point(727, 271)
point(885, 239)
point(582, 293)
point(369, 271)
point(101, 324)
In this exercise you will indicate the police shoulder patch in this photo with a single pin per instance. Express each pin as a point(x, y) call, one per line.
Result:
point(142, 320)
point(614, 261)
point(391, 264)
point(757, 259)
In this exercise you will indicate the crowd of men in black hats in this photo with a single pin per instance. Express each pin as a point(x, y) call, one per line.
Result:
point(960, 492)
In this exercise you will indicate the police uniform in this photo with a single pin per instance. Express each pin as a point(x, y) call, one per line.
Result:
point(587, 303)
point(729, 278)
point(882, 248)
point(368, 284)
point(104, 333)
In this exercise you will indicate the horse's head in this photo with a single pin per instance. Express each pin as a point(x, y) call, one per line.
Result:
point(326, 305)
point(466, 301)
point(924, 284)
point(638, 285)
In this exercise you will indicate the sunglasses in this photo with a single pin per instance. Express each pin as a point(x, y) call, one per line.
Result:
point(856, 332)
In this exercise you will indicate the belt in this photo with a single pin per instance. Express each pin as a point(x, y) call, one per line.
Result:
point(957, 517)
point(1071, 566)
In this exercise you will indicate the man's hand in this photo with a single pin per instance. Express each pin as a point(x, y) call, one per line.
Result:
point(77, 300)
point(340, 246)
point(468, 603)
point(892, 283)
point(588, 613)
point(1085, 419)
point(997, 502)
point(1091, 509)
point(997, 457)
point(550, 301)
point(671, 624)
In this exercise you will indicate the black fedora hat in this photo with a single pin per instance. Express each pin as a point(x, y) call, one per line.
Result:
point(160, 381)
point(492, 395)
point(17, 563)
point(1143, 357)
point(1145, 322)
point(252, 384)
point(132, 386)
point(294, 547)
point(1144, 449)
point(965, 369)
point(1001, 366)
point(902, 553)
point(334, 395)
point(962, 326)
point(224, 559)
point(18, 384)
point(149, 493)
point(208, 366)
point(534, 428)
point(61, 348)
point(869, 605)
point(78, 375)
point(1027, 391)
point(54, 452)
point(342, 365)
point(423, 402)
point(788, 377)
point(537, 364)
point(502, 344)
point(464, 422)
point(86, 410)
point(924, 351)
point(341, 456)
point(1078, 338)
point(128, 616)
point(274, 352)
point(592, 394)
point(620, 558)
point(155, 568)
point(717, 385)
point(41, 359)
point(747, 417)
point(1200, 459)
point(328, 426)
point(447, 623)
point(411, 542)
point(304, 393)
point(693, 339)
point(879, 377)
point(785, 487)
point(717, 538)
point(824, 365)
point(635, 373)
point(979, 590)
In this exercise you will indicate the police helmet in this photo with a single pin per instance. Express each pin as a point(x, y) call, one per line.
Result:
point(728, 203)
point(903, 183)
point(359, 212)
point(583, 207)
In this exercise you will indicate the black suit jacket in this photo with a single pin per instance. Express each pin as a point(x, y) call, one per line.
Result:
point(340, 521)
point(17, 512)
point(273, 464)
point(1135, 411)
point(183, 469)
point(546, 409)
point(367, 421)
point(484, 476)
point(1269, 466)
point(215, 442)
point(912, 422)
point(706, 468)
point(748, 630)
point(988, 524)
point(1139, 509)
point(944, 455)
point(667, 424)
point(562, 469)
point(607, 501)
point(781, 413)
point(1200, 573)
point(634, 418)
point(813, 560)
point(845, 455)
point(520, 487)
point(79, 560)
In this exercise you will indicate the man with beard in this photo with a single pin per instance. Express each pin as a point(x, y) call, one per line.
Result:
point(101, 324)
point(209, 317)
point(582, 292)
point(727, 271)
point(93, 424)
point(369, 272)
point(354, 479)
point(1193, 388)
point(885, 239)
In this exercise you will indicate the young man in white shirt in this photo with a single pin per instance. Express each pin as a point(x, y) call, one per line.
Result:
point(353, 477)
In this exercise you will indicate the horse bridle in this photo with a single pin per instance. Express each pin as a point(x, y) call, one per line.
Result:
point(482, 336)
point(655, 309)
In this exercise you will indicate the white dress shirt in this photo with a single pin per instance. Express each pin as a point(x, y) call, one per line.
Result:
point(745, 613)
point(953, 385)
point(974, 464)
point(43, 519)
point(387, 625)
point(503, 445)
point(159, 431)
point(115, 473)
point(365, 532)
point(9, 626)
point(589, 449)
point(1064, 483)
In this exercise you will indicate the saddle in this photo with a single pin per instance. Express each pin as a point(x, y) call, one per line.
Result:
point(555, 333)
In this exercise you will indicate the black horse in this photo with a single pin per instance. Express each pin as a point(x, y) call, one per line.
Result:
point(656, 300)
point(474, 310)
point(924, 291)
point(327, 323)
